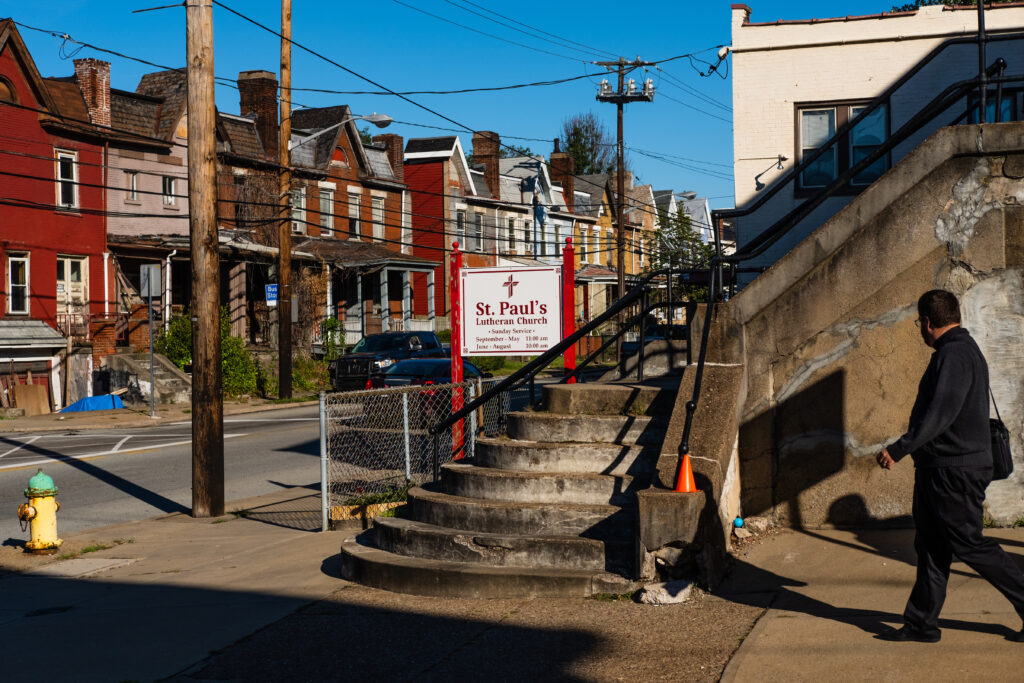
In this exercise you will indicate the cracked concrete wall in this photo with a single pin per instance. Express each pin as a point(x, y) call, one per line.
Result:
point(831, 352)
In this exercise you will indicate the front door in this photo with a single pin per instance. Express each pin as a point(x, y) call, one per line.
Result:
point(72, 286)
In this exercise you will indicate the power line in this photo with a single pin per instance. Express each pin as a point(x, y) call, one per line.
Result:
point(474, 30)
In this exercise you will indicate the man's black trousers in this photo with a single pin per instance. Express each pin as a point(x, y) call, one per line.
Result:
point(948, 516)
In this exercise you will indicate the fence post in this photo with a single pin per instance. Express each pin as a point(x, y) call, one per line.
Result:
point(405, 422)
point(472, 421)
point(323, 463)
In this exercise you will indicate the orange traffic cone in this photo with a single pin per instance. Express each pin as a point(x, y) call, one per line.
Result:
point(685, 482)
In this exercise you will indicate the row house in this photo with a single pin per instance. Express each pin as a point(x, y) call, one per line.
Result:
point(53, 268)
point(351, 208)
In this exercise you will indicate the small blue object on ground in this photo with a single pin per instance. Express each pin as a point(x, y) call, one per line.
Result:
point(104, 402)
point(738, 522)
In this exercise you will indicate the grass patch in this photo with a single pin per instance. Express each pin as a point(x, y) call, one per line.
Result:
point(1018, 523)
point(612, 597)
point(988, 522)
point(402, 511)
point(293, 399)
point(393, 494)
point(187, 411)
point(241, 514)
point(95, 548)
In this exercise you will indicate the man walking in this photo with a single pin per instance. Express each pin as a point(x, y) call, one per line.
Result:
point(949, 440)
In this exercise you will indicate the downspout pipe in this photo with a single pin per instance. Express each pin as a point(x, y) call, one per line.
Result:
point(167, 288)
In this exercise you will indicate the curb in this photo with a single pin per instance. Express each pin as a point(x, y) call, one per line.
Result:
point(56, 424)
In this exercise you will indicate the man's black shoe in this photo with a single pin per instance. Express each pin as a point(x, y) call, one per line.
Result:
point(909, 634)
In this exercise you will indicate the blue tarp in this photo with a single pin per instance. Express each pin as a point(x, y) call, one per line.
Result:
point(104, 402)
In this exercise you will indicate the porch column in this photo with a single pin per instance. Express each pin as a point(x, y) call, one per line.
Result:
point(406, 299)
point(362, 307)
point(385, 301)
point(430, 300)
point(329, 304)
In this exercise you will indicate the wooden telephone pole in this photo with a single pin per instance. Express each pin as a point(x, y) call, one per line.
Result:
point(207, 395)
point(284, 259)
point(620, 97)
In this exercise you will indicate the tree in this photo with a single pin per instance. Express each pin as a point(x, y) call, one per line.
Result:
point(365, 135)
point(681, 246)
point(911, 6)
point(589, 144)
point(506, 151)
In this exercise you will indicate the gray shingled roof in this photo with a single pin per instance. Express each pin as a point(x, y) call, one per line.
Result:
point(242, 137)
point(520, 167)
point(29, 333)
point(480, 183)
point(172, 86)
point(133, 112)
point(380, 165)
point(439, 144)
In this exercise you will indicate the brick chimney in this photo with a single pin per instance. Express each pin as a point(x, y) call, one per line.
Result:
point(485, 151)
point(395, 146)
point(257, 92)
point(93, 76)
point(563, 172)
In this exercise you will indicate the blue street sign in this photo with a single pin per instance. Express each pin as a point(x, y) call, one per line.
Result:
point(271, 295)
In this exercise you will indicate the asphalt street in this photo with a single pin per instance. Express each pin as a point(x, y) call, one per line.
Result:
point(113, 476)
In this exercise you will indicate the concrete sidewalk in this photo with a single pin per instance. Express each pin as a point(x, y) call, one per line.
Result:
point(834, 590)
point(133, 418)
point(256, 596)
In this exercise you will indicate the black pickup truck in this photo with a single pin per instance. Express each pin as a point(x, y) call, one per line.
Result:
point(374, 353)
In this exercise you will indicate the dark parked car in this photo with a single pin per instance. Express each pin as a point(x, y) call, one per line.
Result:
point(377, 352)
point(421, 371)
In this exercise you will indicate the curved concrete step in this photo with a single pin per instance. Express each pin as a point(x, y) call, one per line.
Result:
point(602, 522)
point(554, 427)
point(417, 539)
point(594, 458)
point(472, 481)
point(364, 564)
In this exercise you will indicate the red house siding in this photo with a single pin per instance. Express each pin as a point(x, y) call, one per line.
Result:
point(426, 186)
point(29, 221)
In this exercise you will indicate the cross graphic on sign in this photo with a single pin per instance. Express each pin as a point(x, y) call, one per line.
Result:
point(511, 284)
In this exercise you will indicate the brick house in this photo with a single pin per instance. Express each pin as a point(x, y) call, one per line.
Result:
point(53, 270)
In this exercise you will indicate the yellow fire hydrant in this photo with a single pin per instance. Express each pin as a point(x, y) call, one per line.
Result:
point(41, 512)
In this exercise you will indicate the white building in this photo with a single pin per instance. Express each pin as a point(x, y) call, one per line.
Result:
point(796, 82)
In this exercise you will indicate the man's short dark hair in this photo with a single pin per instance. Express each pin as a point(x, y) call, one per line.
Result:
point(940, 307)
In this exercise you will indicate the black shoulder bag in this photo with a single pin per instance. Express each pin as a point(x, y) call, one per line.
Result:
point(1002, 460)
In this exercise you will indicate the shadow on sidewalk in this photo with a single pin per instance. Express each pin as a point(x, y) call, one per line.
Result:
point(302, 513)
point(145, 631)
point(132, 489)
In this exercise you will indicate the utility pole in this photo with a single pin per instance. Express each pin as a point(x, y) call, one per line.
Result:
point(207, 394)
point(621, 97)
point(284, 257)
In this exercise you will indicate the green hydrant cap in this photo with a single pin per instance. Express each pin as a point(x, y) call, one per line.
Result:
point(40, 485)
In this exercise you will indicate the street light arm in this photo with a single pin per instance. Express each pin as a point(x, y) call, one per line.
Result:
point(379, 120)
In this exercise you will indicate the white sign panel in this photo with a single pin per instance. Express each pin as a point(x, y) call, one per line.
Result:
point(510, 311)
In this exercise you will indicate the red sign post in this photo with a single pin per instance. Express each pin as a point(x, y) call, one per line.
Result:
point(569, 305)
point(456, 343)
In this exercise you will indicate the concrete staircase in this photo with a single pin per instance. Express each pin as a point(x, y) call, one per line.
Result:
point(131, 371)
point(548, 511)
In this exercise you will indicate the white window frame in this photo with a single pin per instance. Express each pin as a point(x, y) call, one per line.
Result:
point(62, 181)
point(355, 207)
point(478, 233)
point(24, 258)
point(377, 217)
point(406, 224)
point(168, 190)
point(297, 201)
point(326, 217)
point(131, 186)
point(460, 227)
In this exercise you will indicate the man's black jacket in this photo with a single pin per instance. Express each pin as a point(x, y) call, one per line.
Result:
point(949, 421)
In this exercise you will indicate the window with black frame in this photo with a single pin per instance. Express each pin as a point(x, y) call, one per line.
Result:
point(817, 124)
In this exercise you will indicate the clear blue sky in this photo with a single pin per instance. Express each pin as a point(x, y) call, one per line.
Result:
point(404, 49)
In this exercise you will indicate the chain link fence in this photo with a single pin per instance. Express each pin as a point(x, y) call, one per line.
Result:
point(375, 445)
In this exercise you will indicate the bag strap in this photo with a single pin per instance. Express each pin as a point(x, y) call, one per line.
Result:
point(994, 403)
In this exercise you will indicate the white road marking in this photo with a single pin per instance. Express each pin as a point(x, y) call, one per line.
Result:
point(99, 453)
point(19, 446)
point(120, 443)
point(267, 419)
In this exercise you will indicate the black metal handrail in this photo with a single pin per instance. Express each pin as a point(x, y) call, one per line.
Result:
point(771, 235)
point(529, 370)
